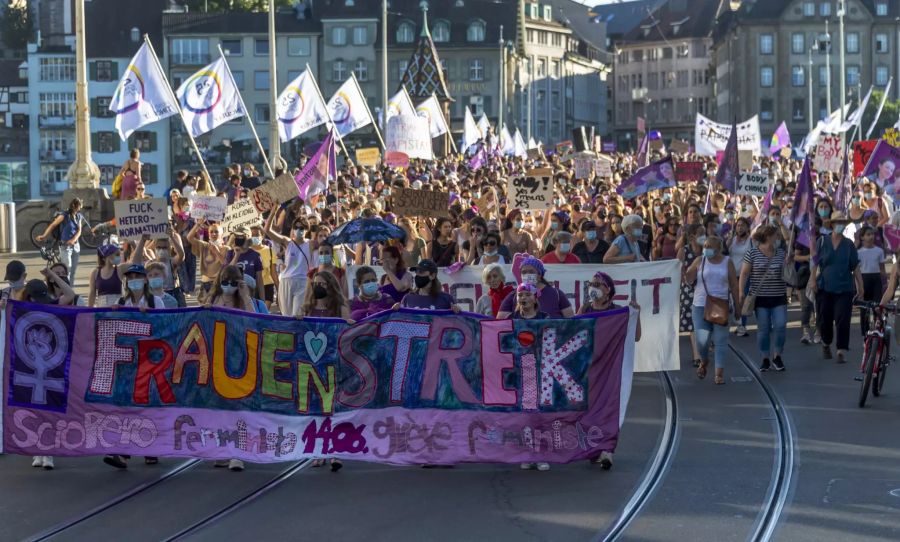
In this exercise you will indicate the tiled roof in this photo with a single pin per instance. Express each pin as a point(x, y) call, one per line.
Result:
point(108, 24)
point(676, 19)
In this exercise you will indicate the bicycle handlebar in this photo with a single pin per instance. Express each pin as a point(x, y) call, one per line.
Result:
point(890, 307)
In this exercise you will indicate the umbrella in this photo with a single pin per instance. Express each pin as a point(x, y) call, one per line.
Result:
point(364, 229)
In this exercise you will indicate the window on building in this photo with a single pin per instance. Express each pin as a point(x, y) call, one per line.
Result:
point(57, 104)
point(261, 47)
point(542, 68)
point(406, 32)
point(361, 70)
point(682, 51)
point(881, 8)
point(823, 109)
point(852, 42)
point(667, 53)
point(823, 76)
point(104, 71)
point(338, 70)
point(142, 140)
point(682, 78)
point(653, 81)
point(58, 69)
point(102, 108)
point(476, 69)
point(798, 109)
point(360, 36)
point(825, 9)
point(766, 76)
point(542, 37)
point(766, 44)
point(809, 9)
point(339, 36)
point(557, 39)
point(441, 31)
point(852, 75)
point(699, 49)
point(299, 46)
point(401, 68)
point(261, 80)
point(475, 32)
point(233, 47)
point(798, 76)
point(881, 43)
point(637, 55)
point(190, 51)
point(554, 69)
point(476, 104)
point(238, 79)
point(107, 142)
point(798, 43)
point(881, 75)
point(766, 109)
point(261, 114)
point(529, 36)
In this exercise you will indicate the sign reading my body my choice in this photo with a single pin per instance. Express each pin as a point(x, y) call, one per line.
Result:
point(139, 217)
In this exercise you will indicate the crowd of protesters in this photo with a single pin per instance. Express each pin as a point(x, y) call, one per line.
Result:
point(735, 253)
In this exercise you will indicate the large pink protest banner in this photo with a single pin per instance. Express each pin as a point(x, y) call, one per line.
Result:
point(404, 387)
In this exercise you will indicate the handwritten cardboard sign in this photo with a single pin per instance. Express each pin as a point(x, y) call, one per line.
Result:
point(745, 160)
point(753, 184)
point(138, 217)
point(369, 156)
point(427, 203)
point(535, 153)
point(274, 192)
point(603, 168)
point(209, 208)
point(583, 166)
point(410, 134)
point(533, 191)
point(828, 154)
point(679, 146)
point(396, 159)
point(241, 213)
point(689, 172)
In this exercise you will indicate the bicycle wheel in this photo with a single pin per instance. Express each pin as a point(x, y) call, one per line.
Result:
point(872, 351)
point(38, 229)
point(883, 363)
point(89, 238)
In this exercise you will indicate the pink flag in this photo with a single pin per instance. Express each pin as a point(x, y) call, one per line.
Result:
point(313, 178)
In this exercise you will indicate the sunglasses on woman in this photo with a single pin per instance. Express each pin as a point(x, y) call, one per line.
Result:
point(230, 282)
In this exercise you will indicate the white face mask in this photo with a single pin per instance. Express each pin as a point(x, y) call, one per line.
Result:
point(530, 278)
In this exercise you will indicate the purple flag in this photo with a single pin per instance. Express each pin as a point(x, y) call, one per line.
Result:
point(764, 208)
point(313, 178)
point(729, 168)
point(780, 139)
point(478, 159)
point(656, 176)
point(804, 205)
point(842, 195)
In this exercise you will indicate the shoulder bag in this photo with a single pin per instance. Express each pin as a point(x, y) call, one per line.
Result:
point(716, 309)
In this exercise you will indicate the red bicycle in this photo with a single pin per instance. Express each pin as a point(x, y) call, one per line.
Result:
point(876, 351)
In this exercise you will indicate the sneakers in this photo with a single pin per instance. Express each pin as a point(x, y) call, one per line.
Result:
point(778, 363)
point(220, 463)
point(765, 365)
point(38, 461)
point(841, 356)
point(116, 461)
point(47, 463)
point(235, 465)
point(604, 460)
point(826, 351)
point(817, 338)
point(741, 331)
point(541, 466)
point(806, 338)
point(336, 465)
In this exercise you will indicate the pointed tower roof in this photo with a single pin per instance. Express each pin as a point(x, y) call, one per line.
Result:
point(424, 76)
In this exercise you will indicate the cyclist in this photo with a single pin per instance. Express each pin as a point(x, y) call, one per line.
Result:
point(67, 224)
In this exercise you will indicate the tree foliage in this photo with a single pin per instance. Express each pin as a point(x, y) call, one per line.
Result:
point(888, 116)
point(16, 25)
point(233, 5)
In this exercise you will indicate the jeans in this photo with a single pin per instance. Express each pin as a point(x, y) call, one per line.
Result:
point(771, 321)
point(834, 317)
point(69, 256)
point(806, 309)
point(703, 330)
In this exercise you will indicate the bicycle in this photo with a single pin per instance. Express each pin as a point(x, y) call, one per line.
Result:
point(91, 237)
point(876, 350)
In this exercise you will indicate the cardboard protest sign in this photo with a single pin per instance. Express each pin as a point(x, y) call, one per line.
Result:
point(583, 166)
point(828, 154)
point(273, 193)
point(536, 153)
point(656, 144)
point(689, 172)
point(533, 191)
point(209, 208)
point(427, 203)
point(745, 160)
point(603, 168)
point(396, 159)
point(138, 217)
point(753, 184)
point(369, 156)
point(410, 134)
point(240, 213)
point(679, 146)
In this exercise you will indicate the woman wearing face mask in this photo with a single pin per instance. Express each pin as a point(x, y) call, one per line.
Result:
point(591, 249)
point(714, 275)
point(370, 299)
point(553, 224)
point(107, 278)
point(156, 279)
point(761, 276)
point(691, 249)
point(442, 250)
point(267, 255)
point(325, 298)
point(427, 293)
point(298, 260)
point(562, 252)
point(625, 247)
point(857, 206)
point(837, 281)
point(396, 281)
point(137, 290)
point(490, 250)
point(514, 235)
point(212, 255)
point(170, 252)
point(326, 263)
point(489, 304)
point(552, 300)
point(738, 244)
point(414, 246)
point(875, 202)
point(614, 228)
point(666, 240)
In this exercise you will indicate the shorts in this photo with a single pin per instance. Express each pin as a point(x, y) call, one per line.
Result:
point(269, 292)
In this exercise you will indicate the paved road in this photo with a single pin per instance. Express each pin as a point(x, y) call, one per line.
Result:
point(716, 485)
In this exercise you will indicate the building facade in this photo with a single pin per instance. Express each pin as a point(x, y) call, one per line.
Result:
point(768, 60)
point(663, 72)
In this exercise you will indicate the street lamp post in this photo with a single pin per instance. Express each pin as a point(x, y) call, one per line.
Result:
point(274, 138)
point(84, 173)
point(810, 89)
point(502, 80)
point(843, 80)
point(828, 70)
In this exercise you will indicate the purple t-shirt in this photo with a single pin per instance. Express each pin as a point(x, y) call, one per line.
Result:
point(360, 309)
point(551, 300)
point(249, 262)
point(418, 301)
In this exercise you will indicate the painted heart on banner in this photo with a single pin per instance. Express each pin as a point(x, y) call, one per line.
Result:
point(315, 345)
point(526, 338)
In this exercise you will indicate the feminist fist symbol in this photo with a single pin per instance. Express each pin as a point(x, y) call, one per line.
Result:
point(35, 335)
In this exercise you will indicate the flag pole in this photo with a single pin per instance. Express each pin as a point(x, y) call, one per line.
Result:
point(374, 124)
point(250, 117)
point(178, 105)
point(327, 112)
point(447, 124)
